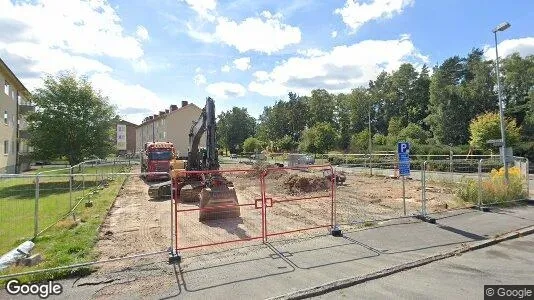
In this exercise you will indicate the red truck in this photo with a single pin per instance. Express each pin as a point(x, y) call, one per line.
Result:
point(157, 157)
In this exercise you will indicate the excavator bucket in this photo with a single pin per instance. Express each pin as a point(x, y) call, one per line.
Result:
point(218, 202)
point(190, 192)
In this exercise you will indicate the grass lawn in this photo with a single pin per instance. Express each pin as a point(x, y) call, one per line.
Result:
point(67, 242)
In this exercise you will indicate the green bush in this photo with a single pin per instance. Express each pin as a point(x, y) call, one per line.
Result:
point(494, 189)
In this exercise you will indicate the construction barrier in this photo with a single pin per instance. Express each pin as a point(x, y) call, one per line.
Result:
point(252, 205)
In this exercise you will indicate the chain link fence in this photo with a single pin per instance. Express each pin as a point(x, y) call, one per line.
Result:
point(32, 202)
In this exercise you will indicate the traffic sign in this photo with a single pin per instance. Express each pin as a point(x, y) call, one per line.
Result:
point(403, 151)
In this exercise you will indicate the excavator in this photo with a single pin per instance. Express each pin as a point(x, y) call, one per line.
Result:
point(216, 195)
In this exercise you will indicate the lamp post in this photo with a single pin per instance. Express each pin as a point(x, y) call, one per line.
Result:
point(501, 27)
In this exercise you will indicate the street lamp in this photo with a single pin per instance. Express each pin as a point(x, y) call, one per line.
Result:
point(501, 27)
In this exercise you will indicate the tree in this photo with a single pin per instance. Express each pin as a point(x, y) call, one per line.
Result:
point(252, 144)
point(286, 143)
point(234, 127)
point(413, 133)
point(72, 120)
point(487, 127)
point(321, 107)
point(518, 75)
point(360, 141)
point(319, 139)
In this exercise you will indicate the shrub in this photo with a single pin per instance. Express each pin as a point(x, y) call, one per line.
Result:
point(494, 188)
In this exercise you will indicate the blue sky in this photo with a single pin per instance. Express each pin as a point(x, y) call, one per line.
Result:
point(146, 55)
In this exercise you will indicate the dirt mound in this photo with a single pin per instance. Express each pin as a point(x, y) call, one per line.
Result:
point(259, 167)
point(295, 184)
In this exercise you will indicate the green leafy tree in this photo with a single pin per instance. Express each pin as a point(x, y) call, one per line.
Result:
point(413, 133)
point(252, 144)
point(487, 127)
point(73, 120)
point(518, 75)
point(321, 107)
point(286, 143)
point(319, 139)
point(380, 139)
point(234, 127)
point(360, 142)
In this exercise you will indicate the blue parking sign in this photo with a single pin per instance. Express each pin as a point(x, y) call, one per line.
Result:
point(403, 151)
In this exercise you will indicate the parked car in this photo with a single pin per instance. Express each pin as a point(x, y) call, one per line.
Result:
point(233, 156)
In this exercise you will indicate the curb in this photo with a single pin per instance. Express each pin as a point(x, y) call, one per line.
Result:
point(350, 281)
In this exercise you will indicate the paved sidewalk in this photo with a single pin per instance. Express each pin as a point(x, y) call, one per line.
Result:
point(459, 277)
point(285, 266)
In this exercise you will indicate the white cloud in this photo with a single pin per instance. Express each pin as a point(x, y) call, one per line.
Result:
point(267, 35)
point(200, 79)
point(525, 46)
point(226, 90)
point(204, 8)
point(225, 69)
point(134, 101)
point(355, 13)
point(140, 66)
point(80, 27)
point(311, 52)
point(333, 34)
point(242, 64)
point(198, 70)
point(142, 33)
point(339, 70)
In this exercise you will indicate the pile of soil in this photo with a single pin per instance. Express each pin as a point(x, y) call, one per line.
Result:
point(296, 184)
point(259, 167)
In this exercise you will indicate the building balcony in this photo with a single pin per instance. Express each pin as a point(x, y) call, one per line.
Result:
point(26, 108)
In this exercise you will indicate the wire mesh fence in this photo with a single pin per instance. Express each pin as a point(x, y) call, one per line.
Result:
point(32, 202)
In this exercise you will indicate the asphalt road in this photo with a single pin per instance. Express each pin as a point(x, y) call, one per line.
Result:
point(461, 277)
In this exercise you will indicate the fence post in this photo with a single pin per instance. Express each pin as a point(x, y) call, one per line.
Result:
point(480, 184)
point(70, 189)
point(450, 166)
point(83, 180)
point(371, 163)
point(528, 179)
point(423, 189)
point(36, 212)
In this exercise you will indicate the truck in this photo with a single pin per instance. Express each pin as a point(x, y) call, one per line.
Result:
point(157, 157)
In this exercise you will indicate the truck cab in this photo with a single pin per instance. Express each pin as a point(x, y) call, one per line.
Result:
point(157, 157)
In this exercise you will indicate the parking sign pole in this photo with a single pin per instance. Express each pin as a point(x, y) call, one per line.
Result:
point(404, 194)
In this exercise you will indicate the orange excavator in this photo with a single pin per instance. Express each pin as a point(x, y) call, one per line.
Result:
point(217, 197)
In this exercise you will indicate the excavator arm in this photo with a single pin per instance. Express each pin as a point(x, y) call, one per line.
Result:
point(206, 123)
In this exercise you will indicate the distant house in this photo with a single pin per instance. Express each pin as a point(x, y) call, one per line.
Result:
point(14, 150)
point(171, 125)
point(125, 137)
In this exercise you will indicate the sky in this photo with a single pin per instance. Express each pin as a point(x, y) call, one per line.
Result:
point(145, 55)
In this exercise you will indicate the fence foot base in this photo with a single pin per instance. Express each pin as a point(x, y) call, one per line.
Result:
point(483, 208)
point(336, 231)
point(426, 219)
point(174, 257)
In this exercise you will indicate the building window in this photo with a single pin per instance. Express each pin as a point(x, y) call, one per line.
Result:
point(6, 87)
point(6, 147)
point(5, 117)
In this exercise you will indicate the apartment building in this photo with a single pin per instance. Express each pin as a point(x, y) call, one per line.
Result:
point(171, 125)
point(125, 136)
point(14, 105)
